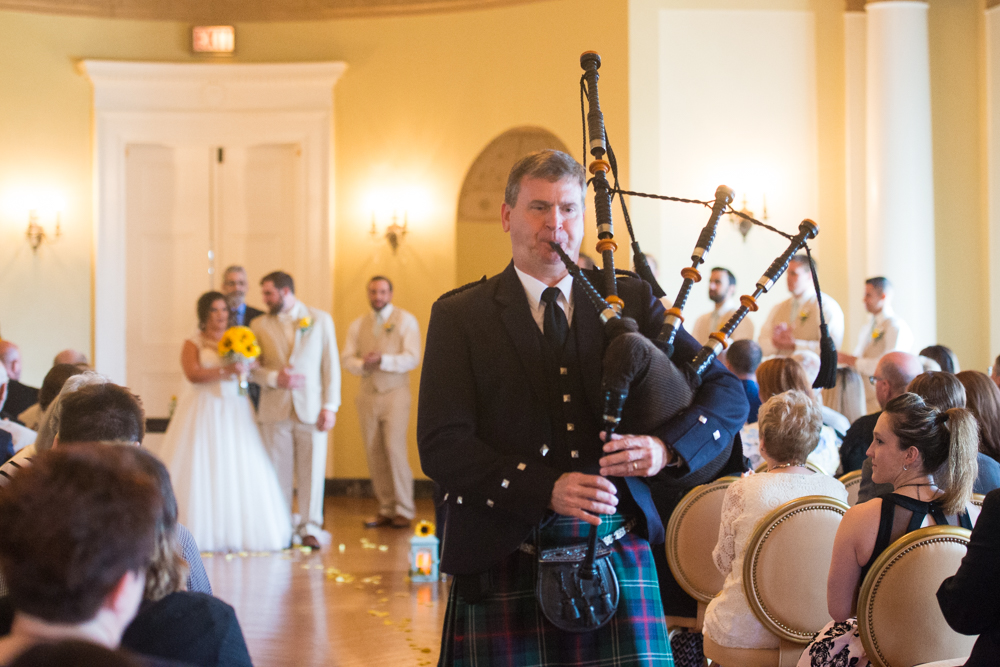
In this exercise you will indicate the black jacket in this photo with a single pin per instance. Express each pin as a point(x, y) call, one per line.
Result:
point(483, 418)
point(970, 600)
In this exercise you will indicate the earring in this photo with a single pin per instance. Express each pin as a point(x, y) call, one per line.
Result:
point(904, 467)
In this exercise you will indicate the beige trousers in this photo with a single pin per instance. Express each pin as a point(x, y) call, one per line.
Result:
point(298, 452)
point(384, 418)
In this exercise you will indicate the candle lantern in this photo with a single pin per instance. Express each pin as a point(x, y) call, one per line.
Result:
point(424, 553)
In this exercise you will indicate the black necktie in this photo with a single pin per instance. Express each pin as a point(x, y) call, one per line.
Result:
point(554, 324)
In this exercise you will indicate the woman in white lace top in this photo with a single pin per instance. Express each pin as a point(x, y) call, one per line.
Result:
point(789, 426)
point(784, 374)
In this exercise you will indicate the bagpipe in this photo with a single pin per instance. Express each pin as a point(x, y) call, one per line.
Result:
point(642, 385)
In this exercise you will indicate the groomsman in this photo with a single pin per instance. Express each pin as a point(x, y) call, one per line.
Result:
point(794, 323)
point(722, 292)
point(885, 332)
point(383, 347)
point(299, 375)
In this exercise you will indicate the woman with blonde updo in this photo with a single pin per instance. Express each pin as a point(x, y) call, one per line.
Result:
point(929, 457)
point(790, 425)
point(782, 374)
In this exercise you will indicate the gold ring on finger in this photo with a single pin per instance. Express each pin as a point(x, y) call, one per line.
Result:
point(635, 465)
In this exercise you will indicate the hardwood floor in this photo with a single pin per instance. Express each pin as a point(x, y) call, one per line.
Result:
point(340, 608)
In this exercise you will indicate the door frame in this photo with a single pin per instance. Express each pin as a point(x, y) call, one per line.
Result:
point(137, 102)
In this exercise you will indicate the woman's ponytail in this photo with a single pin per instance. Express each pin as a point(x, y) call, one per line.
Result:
point(961, 432)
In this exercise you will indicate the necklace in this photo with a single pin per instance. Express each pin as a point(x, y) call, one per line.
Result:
point(784, 465)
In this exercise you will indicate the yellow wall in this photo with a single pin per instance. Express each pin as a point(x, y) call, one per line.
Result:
point(422, 96)
point(956, 29)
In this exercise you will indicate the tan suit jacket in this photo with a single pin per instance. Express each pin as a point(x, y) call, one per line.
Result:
point(313, 354)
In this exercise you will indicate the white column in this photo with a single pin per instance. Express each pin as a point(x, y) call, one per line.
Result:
point(993, 167)
point(855, 36)
point(900, 187)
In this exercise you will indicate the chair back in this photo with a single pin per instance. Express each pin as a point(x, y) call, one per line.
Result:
point(692, 533)
point(899, 619)
point(786, 567)
point(977, 500)
point(851, 482)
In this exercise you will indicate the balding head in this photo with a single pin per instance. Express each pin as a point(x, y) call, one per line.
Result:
point(70, 357)
point(10, 357)
point(894, 372)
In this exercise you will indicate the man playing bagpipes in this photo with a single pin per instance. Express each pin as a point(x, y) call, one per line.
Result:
point(509, 425)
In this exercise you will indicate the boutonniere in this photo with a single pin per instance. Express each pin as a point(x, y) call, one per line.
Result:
point(876, 334)
point(305, 324)
point(388, 327)
point(803, 316)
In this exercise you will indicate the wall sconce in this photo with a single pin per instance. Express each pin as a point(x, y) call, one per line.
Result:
point(36, 233)
point(394, 233)
point(742, 224)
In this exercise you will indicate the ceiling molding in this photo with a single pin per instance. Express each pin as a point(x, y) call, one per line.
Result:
point(235, 11)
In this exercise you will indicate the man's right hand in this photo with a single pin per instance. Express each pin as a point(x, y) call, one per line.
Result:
point(584, 497)
point(288, 380)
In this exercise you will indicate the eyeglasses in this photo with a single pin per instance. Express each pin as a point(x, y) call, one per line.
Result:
point(873, 380)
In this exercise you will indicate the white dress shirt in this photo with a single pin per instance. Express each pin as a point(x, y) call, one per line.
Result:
point(533, 288)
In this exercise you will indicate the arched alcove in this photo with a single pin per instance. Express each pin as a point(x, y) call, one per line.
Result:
point(481, 244)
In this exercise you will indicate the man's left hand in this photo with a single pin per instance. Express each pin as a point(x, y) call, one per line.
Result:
point(633, 456)
point(327, 418)
point(372, 361)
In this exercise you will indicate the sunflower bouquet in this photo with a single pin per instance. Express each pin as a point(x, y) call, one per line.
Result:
point(238, 345)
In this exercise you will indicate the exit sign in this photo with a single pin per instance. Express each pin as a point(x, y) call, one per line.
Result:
point(213, 39)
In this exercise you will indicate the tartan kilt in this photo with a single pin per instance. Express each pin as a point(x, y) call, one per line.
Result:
point(508, 628)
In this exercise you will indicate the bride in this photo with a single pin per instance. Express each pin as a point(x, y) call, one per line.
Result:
point(227, 491)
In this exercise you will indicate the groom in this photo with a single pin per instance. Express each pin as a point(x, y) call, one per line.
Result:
point(299, 375)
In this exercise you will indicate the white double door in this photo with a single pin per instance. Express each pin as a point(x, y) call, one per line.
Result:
point(194, 206)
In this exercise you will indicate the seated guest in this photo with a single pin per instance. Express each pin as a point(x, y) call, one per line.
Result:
point(847, 396)
point(77, 532)
point(810, 363)
point(19, 436)
point(73, 358)
point(51, 386)
point(174, 624)
point(20, 397)
point(983, 399)
point(781, 374)
point(944, 392)
point(77, 654)
point(916, 448)
point(109, 413)
point(970, 600)
point(790, 425)
point(743, 358)
point(893, 372)
point(945, 358)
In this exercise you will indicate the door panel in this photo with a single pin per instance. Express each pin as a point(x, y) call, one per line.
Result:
point(167, 243)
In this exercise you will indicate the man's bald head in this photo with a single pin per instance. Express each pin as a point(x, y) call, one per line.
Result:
point(894, 372)
point(10, 357)
point(72, 357)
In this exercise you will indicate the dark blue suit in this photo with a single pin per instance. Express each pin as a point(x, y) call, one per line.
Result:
point(483, 416)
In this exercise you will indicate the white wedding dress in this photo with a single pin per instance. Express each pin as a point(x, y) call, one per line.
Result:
point(227, 491)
